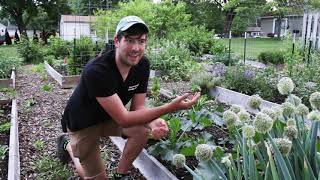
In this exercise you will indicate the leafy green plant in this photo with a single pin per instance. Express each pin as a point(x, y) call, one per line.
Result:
point(9, 92)
point(58, 47)
point(48, 168)
point(29, 103)
point(30, 51)
point(39, 145)
point(39, 68)
point(47, 87)
point(204, 81)
point(3, 151)
point(155, 90)
point(5, 127)
point(274, 57)
point(7, 63)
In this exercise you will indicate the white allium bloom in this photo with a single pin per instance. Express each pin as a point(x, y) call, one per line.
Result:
point(284, 145)
point(178, 160)
point(314, 116)
point(288, 109)
point(235, 108)
point(291, 122)
point(230, 117)
point(315, 100)
point(254, 101)
point(262, 123)
point(244, 116)
point(285, 86)
point(291, 132)
point(203, 152)
point(270, 112)
point(296, 100)
point(302, 110)
point(226, 160)
point(248, 131)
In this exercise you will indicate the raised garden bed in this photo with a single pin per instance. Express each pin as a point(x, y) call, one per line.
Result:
point(9, 82)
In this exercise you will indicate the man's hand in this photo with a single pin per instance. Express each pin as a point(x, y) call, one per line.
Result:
point(184, 102)
point(159, 128)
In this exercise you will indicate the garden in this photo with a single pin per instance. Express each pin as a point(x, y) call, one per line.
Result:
point(257, 118)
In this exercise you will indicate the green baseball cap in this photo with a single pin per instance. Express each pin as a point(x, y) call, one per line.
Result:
point(128, 21)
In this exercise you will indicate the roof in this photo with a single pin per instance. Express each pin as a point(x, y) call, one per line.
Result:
point(285, 16)
point(253, 29)
point(72, 18)
point(12, 27)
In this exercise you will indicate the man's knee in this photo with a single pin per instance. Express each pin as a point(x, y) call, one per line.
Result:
point(136, 132)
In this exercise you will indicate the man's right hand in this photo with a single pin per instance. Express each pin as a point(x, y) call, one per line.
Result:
point(184, 102)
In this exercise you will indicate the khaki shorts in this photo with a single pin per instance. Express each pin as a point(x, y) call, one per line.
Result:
point(85, 145)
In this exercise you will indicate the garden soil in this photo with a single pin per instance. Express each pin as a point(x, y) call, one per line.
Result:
point(39, 114)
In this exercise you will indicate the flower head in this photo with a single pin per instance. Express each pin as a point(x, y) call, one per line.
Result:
point(248, 131)
point(314, 116)
point(235, 108)
point(302, 110)
point(270, 112)
point(315, 100)
point(203, 152)
point(291, 132)
point(285, 86)
point(262, 123)
point(230, 117)
point(296, 100)
point(288, 109)
point(254, 101)
point(291, 122)
point(244, 116)
point(284, 145)
point(226, 160)
point(219, 69)
point(178, 160)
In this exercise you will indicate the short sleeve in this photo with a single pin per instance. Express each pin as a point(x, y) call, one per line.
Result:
point(99, 82)
point(145, 72)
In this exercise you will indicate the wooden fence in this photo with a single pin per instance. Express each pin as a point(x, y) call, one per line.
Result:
point(311, 29)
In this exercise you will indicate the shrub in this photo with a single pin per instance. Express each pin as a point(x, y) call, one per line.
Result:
point(276, 57)
point(6, 65)
point(30, 51)
point(58, 47)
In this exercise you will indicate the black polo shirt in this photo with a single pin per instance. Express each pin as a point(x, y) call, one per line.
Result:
point(101, 78)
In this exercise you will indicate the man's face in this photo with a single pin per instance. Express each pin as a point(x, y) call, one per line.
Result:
point(131, 49)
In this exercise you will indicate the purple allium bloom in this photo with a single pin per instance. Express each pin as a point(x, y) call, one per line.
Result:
point(218, 69)
point(248, 74)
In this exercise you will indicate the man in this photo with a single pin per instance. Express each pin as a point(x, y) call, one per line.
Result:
point(97, 106)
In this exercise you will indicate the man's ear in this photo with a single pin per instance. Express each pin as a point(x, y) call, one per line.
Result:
point(116, 41)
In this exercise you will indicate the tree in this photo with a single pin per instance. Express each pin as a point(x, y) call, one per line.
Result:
point(7, 38)
point(16, 37)
point(88, 7)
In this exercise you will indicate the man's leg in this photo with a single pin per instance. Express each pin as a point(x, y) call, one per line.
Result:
point(137, 139)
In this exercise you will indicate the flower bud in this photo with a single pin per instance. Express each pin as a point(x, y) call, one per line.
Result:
point(302, 110)
point(226, 160)
point(314, 116)
point(288, 109)
point(285, 86)
point(244, 116)
point(284, 145)
point(262, 123)
point(291, 122)
point(178, 160)
point(248, 131)
point(203, 152)
point(315, 100)
point(291, 132)
point(296, 100)
point(254, 101)
point(270, 112)
point(235, 108)
point(230, 118)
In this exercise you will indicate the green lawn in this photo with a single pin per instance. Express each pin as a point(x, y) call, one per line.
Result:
point(255, 46)
point(9, 51)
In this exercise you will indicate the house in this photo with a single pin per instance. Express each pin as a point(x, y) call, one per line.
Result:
point(253, 31)
point(72, 27)
point(2, 29)
point(290, 23)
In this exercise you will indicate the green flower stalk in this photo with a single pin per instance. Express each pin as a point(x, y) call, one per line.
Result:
point(291, 132)
point(203, 152)
point(235, 108)
point(285, 86)
point(284, 145)
point(230, 118)
point(262, 123)
point(226, 160)
point(315, 100)
point(296, 100)
point(302, 110)
point(244, 116)
point(288, 109)
point(248, 131)
point(178, 160)
point(270, 112)
point(291, 122)
point(254, 101)
point(314, 116)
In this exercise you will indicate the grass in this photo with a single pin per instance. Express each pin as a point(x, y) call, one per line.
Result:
point(9, 51)
point(255, 46)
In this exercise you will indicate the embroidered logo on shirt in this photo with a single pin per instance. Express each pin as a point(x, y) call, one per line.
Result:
point(131, 88)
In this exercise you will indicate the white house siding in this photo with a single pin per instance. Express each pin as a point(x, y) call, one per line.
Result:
point(267, 26)
point(288, 24)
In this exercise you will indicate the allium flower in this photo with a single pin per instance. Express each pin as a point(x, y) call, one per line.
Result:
point(296, 100)
point(226, 160)
point(230, 117)
point(248, 131)
point(284, 145)
point(262, 123)
point(249, 74)
point(291, 132)
point(219, 69)
point(291, 122)
point(302, 110)
point(244, 116)
point(178, 160)
point(270, 112)
point(315, 100)
point(285, 86)
point(203, 152)
point(254, 101)
point(288, 109)
point(235, 108)
point(314, 116)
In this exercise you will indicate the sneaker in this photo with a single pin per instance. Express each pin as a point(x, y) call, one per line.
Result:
point(62, 153)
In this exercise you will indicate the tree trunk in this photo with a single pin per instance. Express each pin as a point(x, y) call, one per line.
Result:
point(230, 14)
point(20, 24)
point(278, 22)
